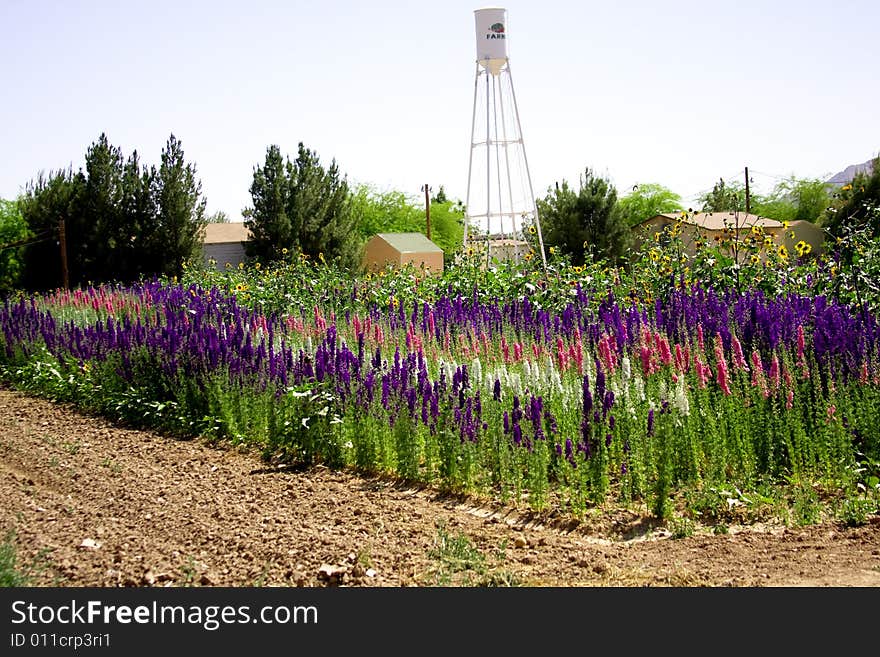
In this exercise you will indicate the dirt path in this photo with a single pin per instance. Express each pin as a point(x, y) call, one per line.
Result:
point(96, 505)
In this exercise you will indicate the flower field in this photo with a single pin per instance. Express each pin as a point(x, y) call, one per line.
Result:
point(562, 391)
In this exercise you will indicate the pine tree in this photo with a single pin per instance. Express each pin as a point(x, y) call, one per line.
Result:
point(301, 205)
point(97, 232)
point(267, 220)
point(46, 201)
point(180, 210)
point(586, 224)
point(144, 243)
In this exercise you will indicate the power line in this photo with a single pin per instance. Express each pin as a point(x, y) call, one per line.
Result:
point(28, 241)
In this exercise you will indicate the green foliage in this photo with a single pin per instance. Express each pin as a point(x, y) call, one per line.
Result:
point(647, 200)
point(301, 206)
point(385, 212)
point(447, 227)
point(456, 555)
point(13, 230)
point(584, 225)
point(794, 199)
point(857, 205)
point(47, 200)
point(13, 573)
point(724, 197)
point(218, 217)
point(122, 221)
point(10, 574)
point(181, 209)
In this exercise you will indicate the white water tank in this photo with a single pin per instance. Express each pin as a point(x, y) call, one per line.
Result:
point(491, 38)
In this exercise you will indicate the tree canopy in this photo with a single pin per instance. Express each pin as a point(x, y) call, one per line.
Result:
point(584, 224)
point(13, 232)
point(301, 206)
point(647, 200)
point(122, 221)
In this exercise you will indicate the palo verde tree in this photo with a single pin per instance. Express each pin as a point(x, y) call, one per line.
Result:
point(794, 199)
point(394, 211)
point(586, 224)
point(301, 206)
point(648, 200)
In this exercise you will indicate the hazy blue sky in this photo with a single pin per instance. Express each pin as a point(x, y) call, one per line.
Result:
point(678, 93)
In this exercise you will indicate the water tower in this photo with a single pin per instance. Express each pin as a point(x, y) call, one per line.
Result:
point(500, 202)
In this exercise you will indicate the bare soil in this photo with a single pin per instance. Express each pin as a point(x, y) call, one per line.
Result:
point(93, 504)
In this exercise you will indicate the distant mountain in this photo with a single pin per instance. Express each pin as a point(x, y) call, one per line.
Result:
point(847, 175)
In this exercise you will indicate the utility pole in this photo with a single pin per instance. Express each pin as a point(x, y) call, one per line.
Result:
point(427, 190)
point(748, 196)
point(62, 239)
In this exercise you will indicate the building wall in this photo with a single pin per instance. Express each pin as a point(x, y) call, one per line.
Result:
point(691, 235)
point(809, 233)
point(223, 252)
point(432, 261)
point(378, 254)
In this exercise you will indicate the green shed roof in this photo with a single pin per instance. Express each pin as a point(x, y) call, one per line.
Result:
point(410, 242)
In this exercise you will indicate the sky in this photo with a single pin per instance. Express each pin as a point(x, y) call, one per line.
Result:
point(679, 93)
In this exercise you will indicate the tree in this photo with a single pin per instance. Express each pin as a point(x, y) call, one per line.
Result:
point(13, 232)
point(794, 199)
point(180, 209)
point(386, 212)
point(218, 217)
point(855, 205)
point(98, 230)
point(648, 200)
point(139, 198)
point(301, 205)
point(47, 200)
point(395, 212)
point(447, 225)
point(122, 221)
point(725, 197)
point(267, 220)
point(586, 224)
point(440, 196)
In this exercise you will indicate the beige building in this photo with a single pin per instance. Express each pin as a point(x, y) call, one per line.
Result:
point(225, 243)
point(399, 249)
point(708, 227)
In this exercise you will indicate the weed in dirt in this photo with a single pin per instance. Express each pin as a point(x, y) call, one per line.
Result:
point(461, 563)
point(189, 572)
point(13, 573)
point(854, 511)
point(456, 554)
point(112, 465)
point(260, 580)
point(682, 527)
point(364, 558)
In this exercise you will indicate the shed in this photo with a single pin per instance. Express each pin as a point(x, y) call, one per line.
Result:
point(224, 243)
point(399, 249)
